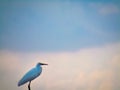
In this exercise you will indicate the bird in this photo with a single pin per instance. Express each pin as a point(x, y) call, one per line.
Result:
point(31, 75)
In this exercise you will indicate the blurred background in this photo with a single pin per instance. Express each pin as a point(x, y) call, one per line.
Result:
point(80, 40)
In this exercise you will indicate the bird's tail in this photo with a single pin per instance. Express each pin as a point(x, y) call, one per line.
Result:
point(19, 84)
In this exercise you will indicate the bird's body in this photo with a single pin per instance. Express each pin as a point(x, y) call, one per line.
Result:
point(32, 74)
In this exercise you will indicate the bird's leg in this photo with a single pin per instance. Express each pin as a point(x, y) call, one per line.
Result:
point(29, 85)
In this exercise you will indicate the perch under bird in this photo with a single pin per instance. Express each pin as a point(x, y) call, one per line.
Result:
point(31, 75)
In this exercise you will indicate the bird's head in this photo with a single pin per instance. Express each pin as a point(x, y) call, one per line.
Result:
point(39, 64)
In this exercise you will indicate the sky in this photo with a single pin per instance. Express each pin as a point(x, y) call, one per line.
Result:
point(80, 40)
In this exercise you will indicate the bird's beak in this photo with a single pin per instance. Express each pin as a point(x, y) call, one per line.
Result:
point(43, 64)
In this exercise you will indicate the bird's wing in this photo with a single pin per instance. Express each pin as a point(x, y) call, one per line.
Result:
point(32, 74)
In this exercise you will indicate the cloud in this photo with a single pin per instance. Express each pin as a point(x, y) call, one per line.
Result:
point(109, 9)
point(106, 9)
point(86, 69)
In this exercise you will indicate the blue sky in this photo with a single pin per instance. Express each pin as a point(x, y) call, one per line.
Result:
point(57, 26)
point(80, 40)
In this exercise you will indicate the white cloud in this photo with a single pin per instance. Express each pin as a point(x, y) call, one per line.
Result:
point(89, 69)
point(109, 9)
point(106, 9)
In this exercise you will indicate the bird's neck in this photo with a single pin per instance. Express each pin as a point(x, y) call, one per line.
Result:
point(38, 67)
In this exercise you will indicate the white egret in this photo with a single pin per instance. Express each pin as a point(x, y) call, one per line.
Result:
point(31, 75)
